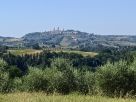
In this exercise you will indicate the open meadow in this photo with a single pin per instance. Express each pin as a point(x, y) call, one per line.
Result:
point(41, 97)
point(24, 51)
point(32, 51)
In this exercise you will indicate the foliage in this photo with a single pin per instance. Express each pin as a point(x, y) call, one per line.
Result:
point(35, 80)
point(14, 72)
point(36, 46)
point(3, 65)
point(65, 73)
point(117, 79)
point(86, 82)
point(54, 78)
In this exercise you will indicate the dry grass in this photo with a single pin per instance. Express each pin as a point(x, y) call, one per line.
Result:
point(32, 51)
point(24, 51)
point(41, 97)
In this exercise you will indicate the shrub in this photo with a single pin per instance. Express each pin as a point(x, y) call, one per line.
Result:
point(35, 80)
point(86, 82)
point(14, 72)
point(61, 64)
point(18, 84)
point(3, 65)
point(117, 79)
point(6, 84)
point(53, 77)
point(68, 81)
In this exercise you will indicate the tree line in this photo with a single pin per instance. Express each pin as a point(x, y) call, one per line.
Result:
point(111, 73)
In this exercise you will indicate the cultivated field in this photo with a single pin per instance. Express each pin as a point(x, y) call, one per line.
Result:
point(32, 51)
point(24, 51)
point(41, 97)
point(91, 54)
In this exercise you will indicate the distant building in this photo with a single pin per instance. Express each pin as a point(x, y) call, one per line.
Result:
point(56, 31)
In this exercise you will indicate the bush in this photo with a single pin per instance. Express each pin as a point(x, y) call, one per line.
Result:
point(61, 64)
point(113, 79)
point(14, 72)
point(18, 84)
point(117, 79)
point(68, 80)
point(6, 84)
point(53, 77)
point(3, 65)
point(35, 80)
point(86, 82)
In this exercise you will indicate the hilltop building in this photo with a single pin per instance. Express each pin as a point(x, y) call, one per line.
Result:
point(56, 31)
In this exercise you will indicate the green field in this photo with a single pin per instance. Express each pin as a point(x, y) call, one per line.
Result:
point(32, 51)
point(24, 51)
point(41, 97)
point(91, 54)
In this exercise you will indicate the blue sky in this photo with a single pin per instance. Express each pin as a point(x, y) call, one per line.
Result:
point(18, 17)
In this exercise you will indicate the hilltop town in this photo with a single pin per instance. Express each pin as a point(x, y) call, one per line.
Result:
point(60, 38)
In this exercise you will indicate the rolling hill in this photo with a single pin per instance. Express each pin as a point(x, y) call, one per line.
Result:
point(69, 39)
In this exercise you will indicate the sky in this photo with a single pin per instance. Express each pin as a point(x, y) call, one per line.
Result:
point(19, 17)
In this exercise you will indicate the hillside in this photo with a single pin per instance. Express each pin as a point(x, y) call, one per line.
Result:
point(70, 39)
point(10, 41)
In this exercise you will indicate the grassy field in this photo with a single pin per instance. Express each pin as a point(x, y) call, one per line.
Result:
point(91, 54)
point(24, 51)
point(41, 97)
point(32, 51)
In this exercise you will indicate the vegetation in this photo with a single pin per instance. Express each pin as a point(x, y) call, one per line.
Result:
point(118, 79)
point(106, 74)
point(42, 97)
point(33, 51)
point(24, 51)
point(76, 40)
point(90, 54)
point(61, 77)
